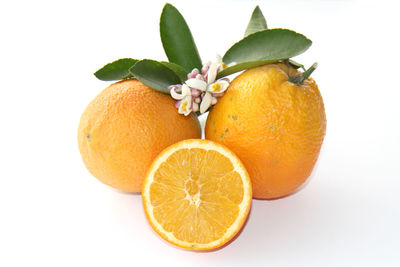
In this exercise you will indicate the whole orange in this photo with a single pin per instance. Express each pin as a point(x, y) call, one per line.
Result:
point(275, 126)
point(125, 127)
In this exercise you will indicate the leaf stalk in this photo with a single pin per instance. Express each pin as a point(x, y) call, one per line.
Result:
point(301, 77)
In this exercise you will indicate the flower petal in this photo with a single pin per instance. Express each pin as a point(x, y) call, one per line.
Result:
point(193, 74)
point(212, 73)
point(205, 67)
point(178, 103)
point(206, 102)
point(196, 92)
point(186, 106)
point(195, 107)
point(218, 59)
point(218, 94)
point(200, 77)
point(175, 95)
point(196, 84)
point(186, 90)
point(172, 87)
point(219, 86)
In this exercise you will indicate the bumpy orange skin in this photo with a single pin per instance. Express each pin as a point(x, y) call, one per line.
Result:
point(275, 127)
point(125, 127)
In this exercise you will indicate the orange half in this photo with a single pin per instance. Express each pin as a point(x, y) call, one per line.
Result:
point(197, 194)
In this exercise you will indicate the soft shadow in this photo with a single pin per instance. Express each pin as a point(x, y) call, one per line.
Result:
point(124, 192)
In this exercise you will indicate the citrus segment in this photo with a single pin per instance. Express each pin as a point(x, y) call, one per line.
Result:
point(197, 194)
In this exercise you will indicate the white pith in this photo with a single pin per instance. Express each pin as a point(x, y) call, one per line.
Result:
point(243, 206)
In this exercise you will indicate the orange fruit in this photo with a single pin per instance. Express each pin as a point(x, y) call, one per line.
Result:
point(197, 194)
point(275, 126)
point(125, 127)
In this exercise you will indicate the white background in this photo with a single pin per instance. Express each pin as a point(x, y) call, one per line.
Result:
point(54, 213)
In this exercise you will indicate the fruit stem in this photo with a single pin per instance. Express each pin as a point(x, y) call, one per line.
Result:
point(301, 77)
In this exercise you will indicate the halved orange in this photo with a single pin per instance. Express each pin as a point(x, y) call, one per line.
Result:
point(197, 194)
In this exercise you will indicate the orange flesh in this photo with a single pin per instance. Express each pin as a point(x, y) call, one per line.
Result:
point(196, 194)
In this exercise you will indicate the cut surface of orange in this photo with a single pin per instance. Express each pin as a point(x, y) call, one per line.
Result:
point(197, 194)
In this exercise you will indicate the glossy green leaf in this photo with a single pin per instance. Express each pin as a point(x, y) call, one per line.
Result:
point(264, 47)
point(179, 70)
point(243, 66)
point(155, 75)
point(116, 70)
point(257, 22)
point(177, 40)
point(295, 64)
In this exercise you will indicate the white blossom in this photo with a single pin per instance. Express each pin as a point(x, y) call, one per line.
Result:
point(201, 90)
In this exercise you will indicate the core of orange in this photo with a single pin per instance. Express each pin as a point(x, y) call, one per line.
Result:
point(274, 125)
point(125, 127)
point(197, 194)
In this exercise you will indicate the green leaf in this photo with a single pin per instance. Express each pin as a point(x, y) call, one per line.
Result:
point(177, 39)
point(243, 66)
point(295, 64)
point(262, 48)
point(155, 75)
point(178, 69)
point(116, 70)
point(257, 22)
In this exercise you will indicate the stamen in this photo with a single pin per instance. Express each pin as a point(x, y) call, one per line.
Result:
point(215, 87)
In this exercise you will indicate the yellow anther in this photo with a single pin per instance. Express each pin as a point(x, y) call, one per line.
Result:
point(184, 106)
point(216, 87)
